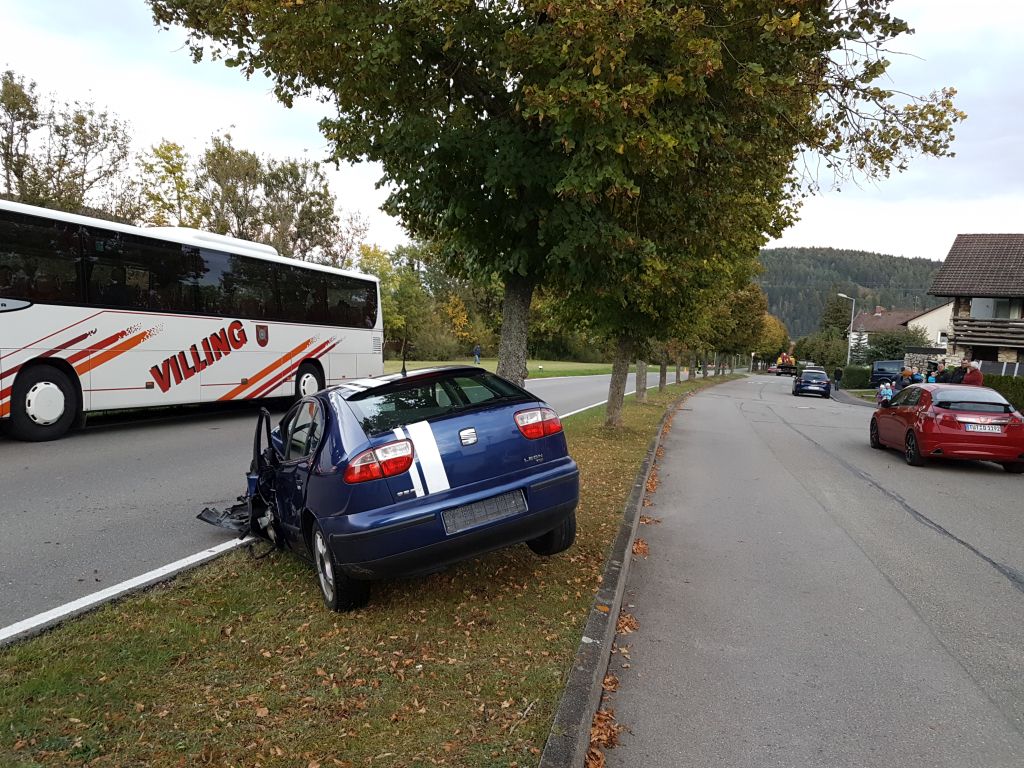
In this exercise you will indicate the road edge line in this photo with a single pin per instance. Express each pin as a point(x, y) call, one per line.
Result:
point(26, 628)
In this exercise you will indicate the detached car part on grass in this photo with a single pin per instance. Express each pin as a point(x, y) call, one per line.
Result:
point(404, 475)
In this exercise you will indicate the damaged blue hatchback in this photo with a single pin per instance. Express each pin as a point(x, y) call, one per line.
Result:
point(406, 474)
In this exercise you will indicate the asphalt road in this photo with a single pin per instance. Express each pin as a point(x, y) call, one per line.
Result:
point(809, 601)
point(120, 498)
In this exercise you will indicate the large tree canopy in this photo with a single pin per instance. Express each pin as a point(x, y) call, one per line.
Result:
point(630, 152)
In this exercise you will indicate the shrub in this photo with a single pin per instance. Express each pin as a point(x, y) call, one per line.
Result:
point(856, 377)
point(1012, 388)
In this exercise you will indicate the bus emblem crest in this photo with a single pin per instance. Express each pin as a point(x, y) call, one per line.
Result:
point(262, 335)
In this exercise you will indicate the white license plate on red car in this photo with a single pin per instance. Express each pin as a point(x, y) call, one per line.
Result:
point(983, 428)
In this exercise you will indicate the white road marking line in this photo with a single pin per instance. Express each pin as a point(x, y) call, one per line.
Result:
point(588, 407)
point(56, 615)
point(429, 456)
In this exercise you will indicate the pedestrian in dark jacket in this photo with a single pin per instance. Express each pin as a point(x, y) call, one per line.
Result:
point(974, 376)
point(837, 375)
point(941, 374)
point(957, 377)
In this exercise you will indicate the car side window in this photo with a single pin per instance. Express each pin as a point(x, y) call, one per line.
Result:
point(304, 431)
point(913, 396)
point(900, 398)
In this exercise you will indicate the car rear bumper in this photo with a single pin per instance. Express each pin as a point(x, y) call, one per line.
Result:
point(972, 450)
point(368, 546)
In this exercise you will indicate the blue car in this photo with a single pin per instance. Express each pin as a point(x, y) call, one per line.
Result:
point(812, 382)
point(406, 474)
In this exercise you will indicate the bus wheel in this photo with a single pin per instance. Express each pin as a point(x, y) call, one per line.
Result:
point(43, 404)
point(308, 380)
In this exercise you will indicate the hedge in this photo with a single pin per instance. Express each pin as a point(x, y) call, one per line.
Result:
point(856, 377)
point(1012, 388)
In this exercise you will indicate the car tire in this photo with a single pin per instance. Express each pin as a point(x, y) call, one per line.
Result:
point(340, 592)
point(44, 404)
point(1014, 467)
point(873, 438)
point(308, 380)
point(558, 539)
point(912, 451)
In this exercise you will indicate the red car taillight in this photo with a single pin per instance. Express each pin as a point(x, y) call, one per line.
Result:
point(538, 422)
point(386, 461)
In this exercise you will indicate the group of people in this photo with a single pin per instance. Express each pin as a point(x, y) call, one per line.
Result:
point(968, 373)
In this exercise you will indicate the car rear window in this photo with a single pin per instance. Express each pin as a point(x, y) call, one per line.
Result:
point(406, 402)
point(814, 375)
point(972, 399)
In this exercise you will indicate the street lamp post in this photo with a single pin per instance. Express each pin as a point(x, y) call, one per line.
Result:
point(849, 335)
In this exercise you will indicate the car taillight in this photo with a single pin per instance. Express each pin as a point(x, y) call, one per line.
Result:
point(386, 461)
point(538, 422)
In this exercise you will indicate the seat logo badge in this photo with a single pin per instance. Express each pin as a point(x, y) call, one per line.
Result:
point(467, 436)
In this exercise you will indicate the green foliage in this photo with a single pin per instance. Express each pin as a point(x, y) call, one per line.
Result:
point(836, 314)
point(799, 282)
point(168, 188)
point(859, 351)
point(856, 377)
point(774, 338)
point(826, 348)
point(71, 156)
point(892, 345)
point(1011, 387)
point(632, 155)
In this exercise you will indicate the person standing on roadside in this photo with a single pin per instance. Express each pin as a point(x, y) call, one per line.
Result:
point(837, 375)
point(957, 377)
point(476, 354)
point(974, 377)
point(941, 374)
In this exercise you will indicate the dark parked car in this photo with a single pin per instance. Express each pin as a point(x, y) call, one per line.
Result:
point(885, 370)
point(950, 421)
point(401, 475)
point(812, 381)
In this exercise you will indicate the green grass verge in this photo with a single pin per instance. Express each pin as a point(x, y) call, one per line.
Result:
point(539, 369)
point(238, 662)
point(863, 394)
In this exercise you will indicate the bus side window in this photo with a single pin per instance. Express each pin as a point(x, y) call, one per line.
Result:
point(38, 261)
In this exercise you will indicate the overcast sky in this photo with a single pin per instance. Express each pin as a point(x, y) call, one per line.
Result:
point(109, 51)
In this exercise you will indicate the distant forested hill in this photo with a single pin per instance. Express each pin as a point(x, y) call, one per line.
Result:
point(799, 280)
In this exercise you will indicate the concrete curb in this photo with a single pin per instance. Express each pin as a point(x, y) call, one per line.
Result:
point(840, 396)
point(569, 739)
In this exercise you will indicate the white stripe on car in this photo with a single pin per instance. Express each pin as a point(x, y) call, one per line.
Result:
point(429, 456)
point(414, 472)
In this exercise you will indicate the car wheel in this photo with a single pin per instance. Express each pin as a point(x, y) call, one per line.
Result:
point(1014, 467)
point(912, 453)
point(308, 380)
point(873, 435)
point(340, 592)
point(558, 539)
point(44, 404)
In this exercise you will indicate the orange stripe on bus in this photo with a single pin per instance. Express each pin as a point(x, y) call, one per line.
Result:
point(104, 357)
point(255, 378)
point(5, 408)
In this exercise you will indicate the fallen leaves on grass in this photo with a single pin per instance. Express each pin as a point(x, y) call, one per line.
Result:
point(627, 623)
point(640, 548)
point(648, 520)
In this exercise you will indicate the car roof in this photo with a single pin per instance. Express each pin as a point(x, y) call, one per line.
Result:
point(352, 387)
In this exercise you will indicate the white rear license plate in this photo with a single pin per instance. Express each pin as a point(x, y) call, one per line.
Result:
point(983, 428)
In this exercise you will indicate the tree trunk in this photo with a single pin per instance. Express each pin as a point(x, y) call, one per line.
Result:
point(641, 381)
point(515, 318)
point(617, 385)
point(691, 369)
point(679, 372)
point(704, 365)
point(663, 375)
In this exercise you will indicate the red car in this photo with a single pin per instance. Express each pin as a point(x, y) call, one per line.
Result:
point(951, 421)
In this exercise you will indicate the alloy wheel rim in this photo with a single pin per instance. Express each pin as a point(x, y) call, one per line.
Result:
point(911, 447)
point(874, 432)
point(324, 568)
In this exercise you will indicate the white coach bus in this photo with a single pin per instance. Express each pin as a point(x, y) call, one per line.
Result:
point(96, 316)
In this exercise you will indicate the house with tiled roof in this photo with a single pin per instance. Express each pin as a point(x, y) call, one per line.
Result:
point(936, 323)
point(984, 276)
point(882, 319)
